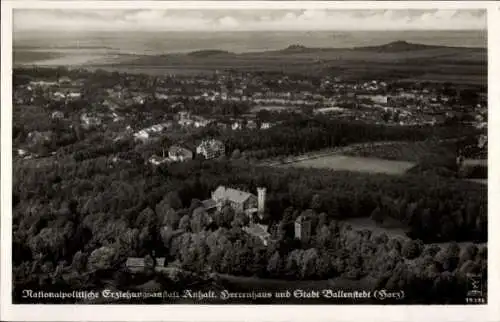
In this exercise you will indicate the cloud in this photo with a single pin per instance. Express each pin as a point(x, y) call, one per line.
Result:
point(236, 20)
point(228, 22)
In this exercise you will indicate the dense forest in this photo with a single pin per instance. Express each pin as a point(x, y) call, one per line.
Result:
point(91, 215)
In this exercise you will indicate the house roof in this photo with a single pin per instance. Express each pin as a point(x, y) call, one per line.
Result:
point(209, 203)
point(302, 218)
point(135, 262)
point(139, 261)
point(257, 230)
point(178, 151)
point(212, 144)
point(65, 79)
point(231, 194)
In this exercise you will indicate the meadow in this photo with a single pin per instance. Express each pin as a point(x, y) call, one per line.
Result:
point(429, 157)
point(406, 151)
point(360, 164)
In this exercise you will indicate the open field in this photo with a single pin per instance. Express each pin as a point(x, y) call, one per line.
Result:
point(348, 163)
point(406, 151)
point(339, 150)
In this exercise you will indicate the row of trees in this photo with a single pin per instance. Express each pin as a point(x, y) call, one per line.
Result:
point(300, 134)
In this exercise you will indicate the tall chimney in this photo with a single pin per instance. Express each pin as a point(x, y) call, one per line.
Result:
point(261, 201)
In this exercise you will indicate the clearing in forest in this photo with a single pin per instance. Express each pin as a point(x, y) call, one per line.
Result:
point(348, 163)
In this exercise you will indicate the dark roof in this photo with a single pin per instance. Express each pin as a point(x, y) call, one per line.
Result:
point(209, 203)
point(139, 261)
point(135, 262)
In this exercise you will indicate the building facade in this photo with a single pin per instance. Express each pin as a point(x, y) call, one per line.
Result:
point(237, 199)
point(261, 201)
point(240, 201)
point(211, 149)
point(303, 228)
point(260, 232)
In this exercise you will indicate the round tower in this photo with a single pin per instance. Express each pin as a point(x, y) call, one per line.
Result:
point(261, 200)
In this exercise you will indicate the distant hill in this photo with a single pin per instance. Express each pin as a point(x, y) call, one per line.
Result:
point(400, 45)
point(208, 52)
point(399, 60)
point(298, 48)
point(392, 47)
point(395, 46)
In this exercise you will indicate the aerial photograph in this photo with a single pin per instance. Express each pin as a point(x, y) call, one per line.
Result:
point(249, 156)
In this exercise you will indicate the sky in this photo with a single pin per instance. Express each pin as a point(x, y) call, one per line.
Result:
point(245, 20)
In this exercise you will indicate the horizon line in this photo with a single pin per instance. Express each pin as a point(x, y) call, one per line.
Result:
point(173, 52)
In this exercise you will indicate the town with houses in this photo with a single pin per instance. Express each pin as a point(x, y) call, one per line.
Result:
point(240, 102)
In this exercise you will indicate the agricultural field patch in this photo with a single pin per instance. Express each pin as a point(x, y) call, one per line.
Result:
point(358, 164)
point(406, 151)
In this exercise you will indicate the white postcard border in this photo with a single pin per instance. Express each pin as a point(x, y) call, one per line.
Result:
point(490, 312)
